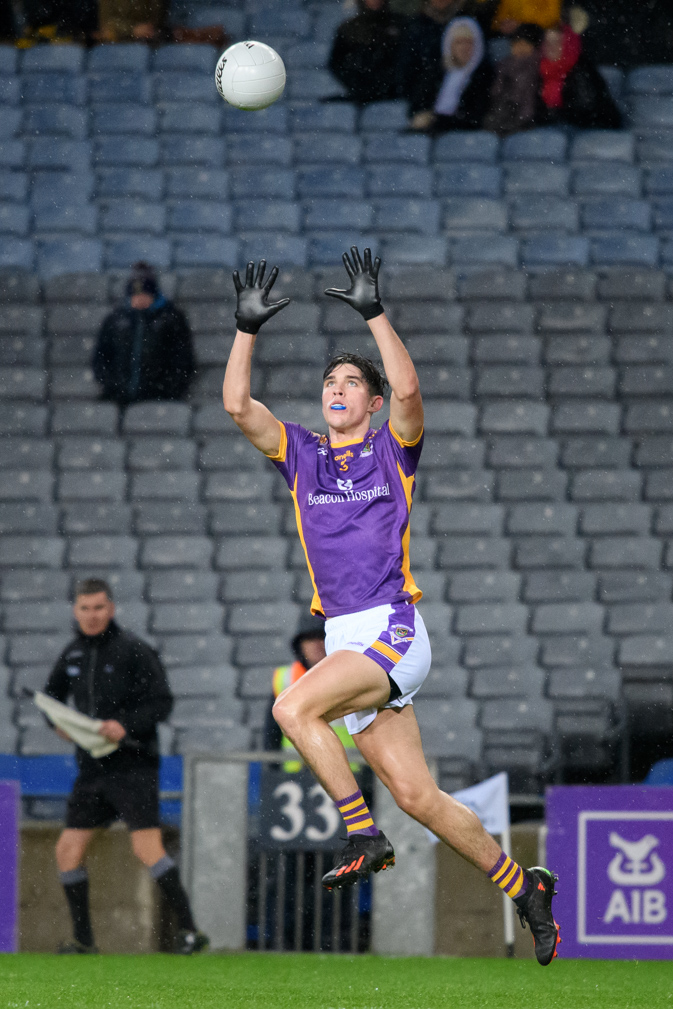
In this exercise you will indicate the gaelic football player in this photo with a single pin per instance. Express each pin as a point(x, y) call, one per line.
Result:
point(352, 492)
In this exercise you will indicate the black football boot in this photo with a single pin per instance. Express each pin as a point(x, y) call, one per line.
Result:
point(363, 854)
point(535, 908)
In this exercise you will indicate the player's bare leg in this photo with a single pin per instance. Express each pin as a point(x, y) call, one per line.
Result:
point(392, 747)
point(338, 685)
point(342, 683)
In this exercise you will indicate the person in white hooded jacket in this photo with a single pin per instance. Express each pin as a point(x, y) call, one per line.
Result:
point(463, 97)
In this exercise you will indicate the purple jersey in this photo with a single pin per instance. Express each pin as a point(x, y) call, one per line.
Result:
point(352, 503)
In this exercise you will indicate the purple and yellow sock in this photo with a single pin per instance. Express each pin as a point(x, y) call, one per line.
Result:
point(357, 817)
point(509, 876)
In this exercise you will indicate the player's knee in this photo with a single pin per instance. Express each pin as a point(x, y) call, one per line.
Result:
point(285, 714)
point(415, 802)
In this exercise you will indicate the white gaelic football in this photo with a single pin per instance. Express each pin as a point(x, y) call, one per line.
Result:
point(250, 75)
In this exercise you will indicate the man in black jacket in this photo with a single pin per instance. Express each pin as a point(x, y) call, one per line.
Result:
point(114, 676)
point(144, 349)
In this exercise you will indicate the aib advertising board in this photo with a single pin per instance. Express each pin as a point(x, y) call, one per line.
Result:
point(9, 865)
point(612, 848)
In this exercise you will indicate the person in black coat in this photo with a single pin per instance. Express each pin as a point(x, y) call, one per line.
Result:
point(421, 69)
point(113, 676)
point(144, 348)
point(462, 99)
point(365, 53)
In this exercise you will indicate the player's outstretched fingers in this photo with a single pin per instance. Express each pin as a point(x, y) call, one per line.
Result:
point(350, 269)
point(355, 253)
point(271, 281)
point(261, 270)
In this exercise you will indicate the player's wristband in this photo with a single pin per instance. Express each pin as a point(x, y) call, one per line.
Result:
point(373, 312)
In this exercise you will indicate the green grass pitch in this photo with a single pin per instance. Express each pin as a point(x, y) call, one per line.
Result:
point(285, 981)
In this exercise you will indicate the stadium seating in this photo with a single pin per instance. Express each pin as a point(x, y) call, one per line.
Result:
point(530, 277)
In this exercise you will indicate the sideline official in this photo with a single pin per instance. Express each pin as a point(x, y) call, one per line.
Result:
point(114, 676)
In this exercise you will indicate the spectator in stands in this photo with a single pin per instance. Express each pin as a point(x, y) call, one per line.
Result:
point(462, 100)
point(421, 68)
point(513, 13)
point(571, 88)
point(308, 646)
point(7, 23)
point(515, 93)
point(132, 20)
point(114, 676)
point(365, 53)
point(144, 349)
point(58, 21)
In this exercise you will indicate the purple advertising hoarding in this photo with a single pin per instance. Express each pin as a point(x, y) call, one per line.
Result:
point(9, 865)
point(612, 848)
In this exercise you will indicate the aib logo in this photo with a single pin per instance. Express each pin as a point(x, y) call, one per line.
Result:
point(636, 865)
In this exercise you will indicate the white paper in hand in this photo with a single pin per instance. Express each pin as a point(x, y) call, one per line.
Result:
point(82, 730)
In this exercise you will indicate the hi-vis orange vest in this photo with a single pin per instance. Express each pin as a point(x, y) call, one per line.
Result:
point(285, 676)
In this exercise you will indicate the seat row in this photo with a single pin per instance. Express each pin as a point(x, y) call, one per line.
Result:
point(616, 587)
point(77, 302)
point(69, 253)
point(516, 417)
point(599, 216)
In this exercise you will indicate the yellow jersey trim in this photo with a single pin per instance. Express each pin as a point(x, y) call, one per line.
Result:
point(410, 585)
point(401, 441)
point(282, 451)
point(342, 444)
point(316, 605)
point(390, 653)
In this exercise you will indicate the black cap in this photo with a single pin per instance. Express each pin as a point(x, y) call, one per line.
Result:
point(528, 33)
point(143, 280)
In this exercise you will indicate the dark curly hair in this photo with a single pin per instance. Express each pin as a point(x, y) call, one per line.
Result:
point(372, 374)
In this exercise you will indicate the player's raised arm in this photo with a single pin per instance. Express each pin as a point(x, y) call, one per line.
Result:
point(406, 405)
point(253, 309)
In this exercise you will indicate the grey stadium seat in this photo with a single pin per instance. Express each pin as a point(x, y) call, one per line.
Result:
point(499, 650)
point(23, 518)
point(484, 586)
point(92, 418)
point(202, 681)
point(247, 618)
point(158, 418)
point(26, 586)
point(229, 518)
point(527, 681)
point(27, 485)
point(194, 649)
point(37, 616)
point(176, 552)
point(256, 586)
point(490, 618)
point(169, 485)
point(31, 551)
point(187, 618)
point(90, 453)
point(182, 586)
point(169, 517)
point(80, 485)
point(102, 551)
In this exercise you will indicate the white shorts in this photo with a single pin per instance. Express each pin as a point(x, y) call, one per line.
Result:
point(394, 636)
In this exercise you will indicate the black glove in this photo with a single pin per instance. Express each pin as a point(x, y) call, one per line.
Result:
point(252, 307)
point(363, 294)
